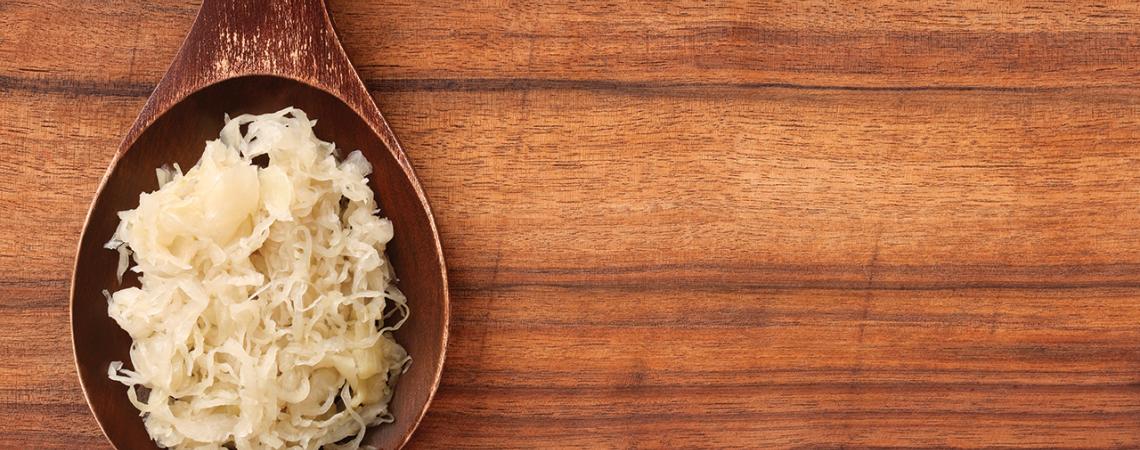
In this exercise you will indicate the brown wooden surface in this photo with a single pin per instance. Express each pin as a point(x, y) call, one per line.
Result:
point(750, 224)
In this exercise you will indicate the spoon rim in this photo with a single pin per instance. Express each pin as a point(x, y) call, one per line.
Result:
point(393, 147)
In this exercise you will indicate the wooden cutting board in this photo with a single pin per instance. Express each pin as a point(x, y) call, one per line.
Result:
point(682, 224)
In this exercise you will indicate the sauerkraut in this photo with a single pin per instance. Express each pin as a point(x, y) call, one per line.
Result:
point(266, 303)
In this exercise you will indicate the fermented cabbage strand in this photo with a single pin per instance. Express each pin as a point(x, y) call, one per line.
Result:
point(260, 319)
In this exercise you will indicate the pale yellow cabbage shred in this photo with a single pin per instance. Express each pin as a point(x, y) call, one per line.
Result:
point(259, 322)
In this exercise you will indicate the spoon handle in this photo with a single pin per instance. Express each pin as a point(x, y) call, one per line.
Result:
point(291, 38)
point(287, 38)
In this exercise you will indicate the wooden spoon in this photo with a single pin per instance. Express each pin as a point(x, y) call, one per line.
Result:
point(257, 56)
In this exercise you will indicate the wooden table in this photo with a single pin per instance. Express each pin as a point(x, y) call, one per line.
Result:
point(748, 224)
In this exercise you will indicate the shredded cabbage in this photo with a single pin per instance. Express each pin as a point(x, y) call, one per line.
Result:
point(264, 290)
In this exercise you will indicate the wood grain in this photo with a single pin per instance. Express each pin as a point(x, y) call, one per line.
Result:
point(668, 224)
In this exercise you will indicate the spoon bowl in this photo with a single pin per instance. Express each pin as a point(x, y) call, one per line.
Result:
point(300, 64)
